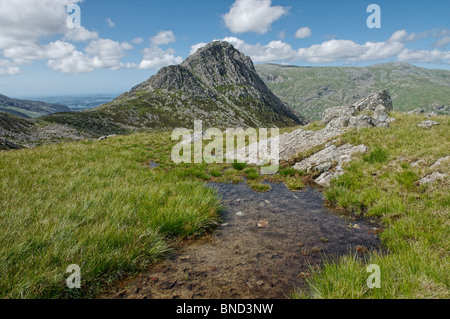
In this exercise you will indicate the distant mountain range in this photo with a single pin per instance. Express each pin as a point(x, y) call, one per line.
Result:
point(29, 109)
point(311, 90)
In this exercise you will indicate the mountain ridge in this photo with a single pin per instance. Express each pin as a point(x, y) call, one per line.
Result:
point(312, 90)
point(29, 108)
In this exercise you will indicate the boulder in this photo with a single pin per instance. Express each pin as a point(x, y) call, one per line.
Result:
point(369, 112)
point(427, 124)
point(329, 162)
point(432, 178)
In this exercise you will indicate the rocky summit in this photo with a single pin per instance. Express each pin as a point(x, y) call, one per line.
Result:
point(218, 85)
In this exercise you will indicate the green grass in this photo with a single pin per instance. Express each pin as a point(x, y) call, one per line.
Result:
point(415, 259)
point(95, 204)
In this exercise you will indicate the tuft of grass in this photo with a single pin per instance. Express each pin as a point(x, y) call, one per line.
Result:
point(239, 166)
point(288, 172)
point(251, 173)
point(259, 187)
point(378, 155)
point(294, 184)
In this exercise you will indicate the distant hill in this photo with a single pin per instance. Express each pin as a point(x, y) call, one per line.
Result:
point(311, 90)
point(218, 85)
point(29, 109)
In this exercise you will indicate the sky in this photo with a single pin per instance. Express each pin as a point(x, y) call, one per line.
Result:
point(109, 46)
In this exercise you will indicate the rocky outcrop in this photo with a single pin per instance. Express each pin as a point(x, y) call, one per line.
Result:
point(372, 111)
point(432, 178)
point(329, 162)
point(427, 124)
point(6, 145)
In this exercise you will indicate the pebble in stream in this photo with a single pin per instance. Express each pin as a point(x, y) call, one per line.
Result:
point(242, 260)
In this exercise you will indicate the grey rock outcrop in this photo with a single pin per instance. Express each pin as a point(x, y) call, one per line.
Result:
point(329, 162)
point(372, 111)
point(6, 145)
point(427, 124)
point(432, 178)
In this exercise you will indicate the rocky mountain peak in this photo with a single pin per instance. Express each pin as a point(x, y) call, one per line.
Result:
point(217, 84)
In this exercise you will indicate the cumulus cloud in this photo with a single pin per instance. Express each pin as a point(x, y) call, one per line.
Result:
point(155, 58)
point(346, 51)
point(110, 22)
point(99, 54)
point(137, 40)
point(80, 35)
point(164, 37)
point(253, 16)
point(424, 56)
point(303, 33)
point(8, 68)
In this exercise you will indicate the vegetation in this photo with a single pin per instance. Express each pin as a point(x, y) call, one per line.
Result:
point(95, 204)
point(311, 90)
point(99, 204)
point(415, 261)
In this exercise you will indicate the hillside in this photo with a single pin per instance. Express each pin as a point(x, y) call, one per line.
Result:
point(218, 85)
point(29, 109)
point(311, 90)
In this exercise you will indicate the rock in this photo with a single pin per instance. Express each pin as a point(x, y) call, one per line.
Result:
point(324, 161)
point(439, 162)
point(431, 114)
point(417, 112)
point(432, 178)
point(240, 214)
point(368, 112)
point(102, 138)
point(441, 107)
point(356, 226)
point(263, 224)
point(427, 124)
point(8, 145)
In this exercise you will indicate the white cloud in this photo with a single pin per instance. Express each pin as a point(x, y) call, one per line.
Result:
point(110, 23)
point(99, 54)
point(346, 51)
point(80, 35)
point(8, 68)
point(424, 56)
point(155, 58)
point(137, 40)
point(253, 16)
point(303, 33)
point(164, 37)
point(282, 35)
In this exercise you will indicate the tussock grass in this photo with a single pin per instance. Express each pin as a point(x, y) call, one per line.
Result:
point(415, 263)
point(95, 204)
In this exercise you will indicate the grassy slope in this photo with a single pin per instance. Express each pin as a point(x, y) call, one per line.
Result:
point(96, 204)
point(416, 263)
point(93, 204)
point(311, 90)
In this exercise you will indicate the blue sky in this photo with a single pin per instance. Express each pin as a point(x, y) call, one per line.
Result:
point(122, 43)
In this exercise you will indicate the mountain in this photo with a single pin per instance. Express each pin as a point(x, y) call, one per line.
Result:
point(29, 109)
point(217, 84)
point(311, 90)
